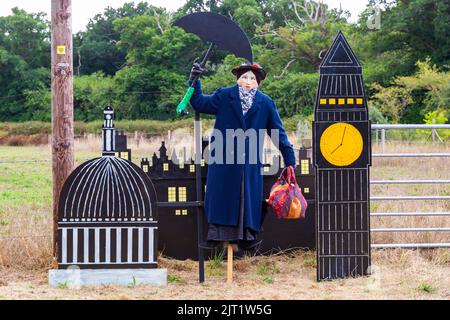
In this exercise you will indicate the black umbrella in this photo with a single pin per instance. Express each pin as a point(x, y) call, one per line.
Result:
point(221, 32)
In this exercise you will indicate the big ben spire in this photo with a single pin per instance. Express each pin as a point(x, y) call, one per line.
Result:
point(342, 156)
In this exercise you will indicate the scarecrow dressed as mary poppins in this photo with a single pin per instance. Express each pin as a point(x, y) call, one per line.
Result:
point(234, 191)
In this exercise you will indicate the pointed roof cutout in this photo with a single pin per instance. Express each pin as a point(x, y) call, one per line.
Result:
point(340, 54)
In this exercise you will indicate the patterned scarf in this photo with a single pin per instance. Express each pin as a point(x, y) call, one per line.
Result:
point(246, 98)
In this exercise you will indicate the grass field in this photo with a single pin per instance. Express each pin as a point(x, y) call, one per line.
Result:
point(26, 226)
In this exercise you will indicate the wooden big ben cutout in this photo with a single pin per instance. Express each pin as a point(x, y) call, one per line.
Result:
point(342, 156)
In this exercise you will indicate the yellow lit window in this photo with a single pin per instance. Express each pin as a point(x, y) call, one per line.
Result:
point(145, 168)
point(305, 166)
point(182, 194)
point(166, 167)
point(124, 155)
point(172, 194)
point(178, 212)
point(203, 162)
point(117, 155)
point(359, 101)
point(341, 101)
point(306, 190)
point(266, 169)
point(184, 212)
point(332, 101)
point(181, 165)
point(350, 101)
point(192, 168)
point(323, 101)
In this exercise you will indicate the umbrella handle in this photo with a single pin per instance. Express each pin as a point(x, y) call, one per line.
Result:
point(187, 97)
point(205, 58)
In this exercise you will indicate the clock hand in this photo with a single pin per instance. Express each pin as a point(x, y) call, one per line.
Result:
point(336, 148)
point(342, 141)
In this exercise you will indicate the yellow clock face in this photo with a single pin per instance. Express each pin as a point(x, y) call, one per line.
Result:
point(341, 144)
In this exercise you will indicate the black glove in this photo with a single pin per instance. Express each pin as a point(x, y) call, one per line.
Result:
point(196, 71)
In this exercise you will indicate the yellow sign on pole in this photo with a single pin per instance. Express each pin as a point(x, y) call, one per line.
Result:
point(61, 49)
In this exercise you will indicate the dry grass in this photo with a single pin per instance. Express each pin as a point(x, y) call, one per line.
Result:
point(26, 253)
point(25, 240)
point(24, 140)
point(397, 274)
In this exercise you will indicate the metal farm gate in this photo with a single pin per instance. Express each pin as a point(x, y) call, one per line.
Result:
point(434, 136)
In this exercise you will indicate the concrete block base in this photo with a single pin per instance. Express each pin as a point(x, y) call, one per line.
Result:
point(74, 277)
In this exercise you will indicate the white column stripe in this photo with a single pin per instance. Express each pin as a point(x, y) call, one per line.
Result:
point(141, 246)
point(97, 245)
point(64, 246)
point(130, 245)
point(108, 245)
point(151, 236)
point(118, 245)
point(86, 245)
point(75, 245)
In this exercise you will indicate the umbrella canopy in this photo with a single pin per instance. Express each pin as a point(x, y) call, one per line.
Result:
point(220, 30)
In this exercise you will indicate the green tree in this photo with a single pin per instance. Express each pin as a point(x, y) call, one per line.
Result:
point(246, 13)
point(302, 43)
point(24, 63)
point(294, 94)
point(391, 101)
point(159, 58)
point(26, 35)
point(435, 85)
point(92, 93)
point(411, 30)
point(96, 48)
point(409, 98)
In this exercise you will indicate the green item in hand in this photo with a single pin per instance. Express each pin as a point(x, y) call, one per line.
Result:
point(184, 103)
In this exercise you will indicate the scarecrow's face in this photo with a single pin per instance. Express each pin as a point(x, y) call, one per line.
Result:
point(248, 81)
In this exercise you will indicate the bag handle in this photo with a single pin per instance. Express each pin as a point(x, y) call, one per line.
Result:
point(288, 175)
point(284, 175)
point(292, 177)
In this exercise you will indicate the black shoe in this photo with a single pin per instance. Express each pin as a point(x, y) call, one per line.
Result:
point(209, 245)
point(249, 245)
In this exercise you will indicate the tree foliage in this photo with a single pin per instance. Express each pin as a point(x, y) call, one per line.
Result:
point(24, 65)
point(96, 48)
point(134, 59)
point(427, 90)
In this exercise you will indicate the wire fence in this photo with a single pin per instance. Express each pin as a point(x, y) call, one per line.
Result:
point(27, 237)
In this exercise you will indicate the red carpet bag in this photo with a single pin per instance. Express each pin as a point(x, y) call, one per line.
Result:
point(286, 198)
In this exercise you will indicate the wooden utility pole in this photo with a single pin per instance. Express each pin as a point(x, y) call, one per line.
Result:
point(62, 102)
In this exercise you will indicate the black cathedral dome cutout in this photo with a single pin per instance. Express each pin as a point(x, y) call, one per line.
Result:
point(107, 212)
point(107, 189)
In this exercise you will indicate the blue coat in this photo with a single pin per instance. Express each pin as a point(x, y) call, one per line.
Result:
point(224, 180)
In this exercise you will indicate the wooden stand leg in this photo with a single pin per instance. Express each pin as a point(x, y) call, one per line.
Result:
point(230, 264)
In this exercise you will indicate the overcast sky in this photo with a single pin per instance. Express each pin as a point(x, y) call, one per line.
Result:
point(83, 10)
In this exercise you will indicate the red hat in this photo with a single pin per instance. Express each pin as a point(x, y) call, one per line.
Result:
point(259, 72)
